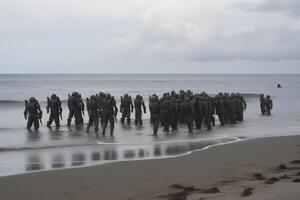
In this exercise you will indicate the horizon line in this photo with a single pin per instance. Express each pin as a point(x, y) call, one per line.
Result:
point(149, 73)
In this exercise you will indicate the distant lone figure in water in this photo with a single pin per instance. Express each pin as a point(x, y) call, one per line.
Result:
point(262, 104)
point(33, 113)
point(269, 105)
point(279, 86)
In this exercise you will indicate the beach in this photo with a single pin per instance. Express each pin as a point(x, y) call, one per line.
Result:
point(229, 167)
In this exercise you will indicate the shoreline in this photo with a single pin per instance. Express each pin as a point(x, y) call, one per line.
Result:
point(205, 167)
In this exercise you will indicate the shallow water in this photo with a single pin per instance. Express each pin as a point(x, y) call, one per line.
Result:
point(23, 151)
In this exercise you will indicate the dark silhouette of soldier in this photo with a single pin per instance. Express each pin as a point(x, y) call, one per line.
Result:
point(209, 111)
point(33, 113)
point(226, 99)
point(72, 107)
point(196, 108)
point(269, 105)
point(212, 113)
point(79, 109)
point(241, 107)
point(110, 111)
point(154, 108)
point(93, 111)
point(126, 108)
point(233, 105)
point(175, 102)
point(187, 112)
point(262, 104)
point(100, 98)
point(54, 106)
point(165, 112)
point(138, 105)
point(76, 108)
point(219, 106)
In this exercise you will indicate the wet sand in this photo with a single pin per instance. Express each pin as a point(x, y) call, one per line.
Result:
point(229, 168)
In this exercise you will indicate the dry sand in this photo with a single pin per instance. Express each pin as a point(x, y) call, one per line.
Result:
point(230, 168)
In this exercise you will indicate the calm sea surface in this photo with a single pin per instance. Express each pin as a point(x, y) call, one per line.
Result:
point(24, 151)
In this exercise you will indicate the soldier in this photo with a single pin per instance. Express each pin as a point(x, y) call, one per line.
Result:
point(202, 110)
point(154, 108)
point(138, 105)
point(209, 111)
point(212, 114)
point(110, 111)
point(76, 108)
point(226, 99)
point(187, 112)
point(100, 98)
point(241, 107)
point(54, 105)
point(79, 109)
point(219, 106)
point(126, 108)
point(175, 102)
point(34, 112)
point(165, 110)
point(269, 105)
point(233, 105)
point(196, 106)
point(93, 111)
point(262, 104)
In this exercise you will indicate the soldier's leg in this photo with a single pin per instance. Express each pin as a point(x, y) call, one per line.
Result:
point(190, 125)
point(213, 120)
point(104, 123)
point(197, 120)
point(96, 123)
point(221, 119)
point(155, 125)
point(128, 117)
point(36, 123)
point(112, 124)
point(140, 117)
point(208, 122)
point(123, 116)
point(175, 123)
point(89, 124)
point(57, 121)
point(136, 121)
point(29, 122)
point(200, 121)
point(51, 117)
point(71, 114)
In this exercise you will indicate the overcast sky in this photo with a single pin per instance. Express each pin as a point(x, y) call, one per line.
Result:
point(149, 36)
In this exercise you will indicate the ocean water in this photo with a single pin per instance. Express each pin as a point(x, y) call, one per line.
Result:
point(23, 151)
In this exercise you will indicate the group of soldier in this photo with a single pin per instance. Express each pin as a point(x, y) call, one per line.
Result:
point(168, 111)
point(266, 104)
point(195, 109)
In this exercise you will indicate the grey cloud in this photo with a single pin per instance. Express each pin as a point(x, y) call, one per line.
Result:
point(291, 7)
